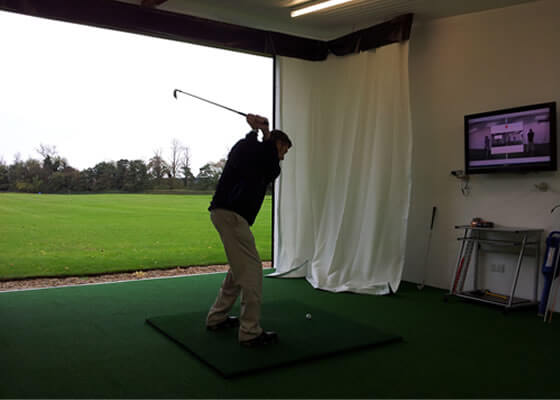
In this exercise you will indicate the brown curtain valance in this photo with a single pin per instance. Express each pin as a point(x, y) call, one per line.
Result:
point(132, 18)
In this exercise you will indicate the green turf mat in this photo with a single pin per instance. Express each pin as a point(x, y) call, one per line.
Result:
point(301, 339)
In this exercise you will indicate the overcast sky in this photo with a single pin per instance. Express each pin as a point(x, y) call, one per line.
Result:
point(102, 95)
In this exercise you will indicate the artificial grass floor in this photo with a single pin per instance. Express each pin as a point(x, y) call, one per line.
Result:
point(301, 338)
point(93, 342)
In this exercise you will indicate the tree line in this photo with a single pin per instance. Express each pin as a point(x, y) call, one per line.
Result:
point(52, 174)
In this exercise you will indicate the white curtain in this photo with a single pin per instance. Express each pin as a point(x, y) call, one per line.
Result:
point(344, 191)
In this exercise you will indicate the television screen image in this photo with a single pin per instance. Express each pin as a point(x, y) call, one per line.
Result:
point(515, 139)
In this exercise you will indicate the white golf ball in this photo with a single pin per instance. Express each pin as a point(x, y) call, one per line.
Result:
point(308, 316)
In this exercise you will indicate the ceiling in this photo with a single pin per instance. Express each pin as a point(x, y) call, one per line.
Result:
point(274, 15)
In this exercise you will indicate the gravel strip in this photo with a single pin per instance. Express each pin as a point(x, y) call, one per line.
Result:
point(36, 283)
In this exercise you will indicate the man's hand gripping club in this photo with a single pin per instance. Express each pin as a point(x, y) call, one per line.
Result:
point(257, 122)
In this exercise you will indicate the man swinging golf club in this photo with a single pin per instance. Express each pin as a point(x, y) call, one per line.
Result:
point(251, 166)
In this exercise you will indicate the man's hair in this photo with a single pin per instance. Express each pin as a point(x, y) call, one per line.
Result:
point(279, 136)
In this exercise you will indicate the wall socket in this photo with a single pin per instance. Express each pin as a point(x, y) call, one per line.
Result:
point(497, 267)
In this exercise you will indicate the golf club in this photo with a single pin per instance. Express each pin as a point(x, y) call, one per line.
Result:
point(208, 101)
point(421, 285)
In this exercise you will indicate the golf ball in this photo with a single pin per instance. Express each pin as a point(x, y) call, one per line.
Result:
point(308, 316)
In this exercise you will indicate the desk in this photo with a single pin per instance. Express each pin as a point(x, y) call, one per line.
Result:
point(498, 238)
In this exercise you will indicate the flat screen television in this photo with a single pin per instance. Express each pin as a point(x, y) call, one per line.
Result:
point(511, 140)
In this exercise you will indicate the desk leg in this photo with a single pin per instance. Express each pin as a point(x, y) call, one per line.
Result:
point(550, 302)
point(475, 266)
point(517, 269)
point(457, 263)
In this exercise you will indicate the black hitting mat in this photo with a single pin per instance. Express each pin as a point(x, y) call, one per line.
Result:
point(301, 339)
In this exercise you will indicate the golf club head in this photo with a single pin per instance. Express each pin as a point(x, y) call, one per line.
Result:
point(175, 93)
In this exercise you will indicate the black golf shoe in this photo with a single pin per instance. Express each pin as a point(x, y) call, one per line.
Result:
point(229, 322)
point(264, 339)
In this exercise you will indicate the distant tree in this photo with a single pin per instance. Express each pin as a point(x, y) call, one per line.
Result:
point(72, 180)
point(32, 169)
point(57, 183)
point(46, 150)
point(105, 176)
point(24, 176)
point(122, 169)
point(52, 163)
point(86, 181)
point(4, 179)
point(185, 166)
point(209, 174)
point(137, 178)
point(65, 181)
point(48, 167)
point(16, 173)
point(174, 161)
point(59, 164)
point(24, 187)
point(220, 165)
point(33, 176)
point(157, 167)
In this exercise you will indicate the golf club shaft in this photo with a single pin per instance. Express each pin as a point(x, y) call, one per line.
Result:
point(207, 101)
point(421, 285)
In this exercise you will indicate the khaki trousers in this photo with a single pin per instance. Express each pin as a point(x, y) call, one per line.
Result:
point(244, 276)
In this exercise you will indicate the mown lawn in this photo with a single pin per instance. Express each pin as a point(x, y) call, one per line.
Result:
point(61, 235)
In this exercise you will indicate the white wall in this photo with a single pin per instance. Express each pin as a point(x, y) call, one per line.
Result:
point(462, 65)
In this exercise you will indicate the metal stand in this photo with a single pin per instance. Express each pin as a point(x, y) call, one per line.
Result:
point(553, 290)
point(508, 239)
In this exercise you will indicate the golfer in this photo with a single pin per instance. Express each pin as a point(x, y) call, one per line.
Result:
point(251, 166)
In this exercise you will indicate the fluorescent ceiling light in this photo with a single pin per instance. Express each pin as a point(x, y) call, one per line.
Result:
point(317, 7)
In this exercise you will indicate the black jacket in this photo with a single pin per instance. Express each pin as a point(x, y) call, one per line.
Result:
point(250, 167)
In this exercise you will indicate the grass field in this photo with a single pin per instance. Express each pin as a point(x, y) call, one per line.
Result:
point(62, 235)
